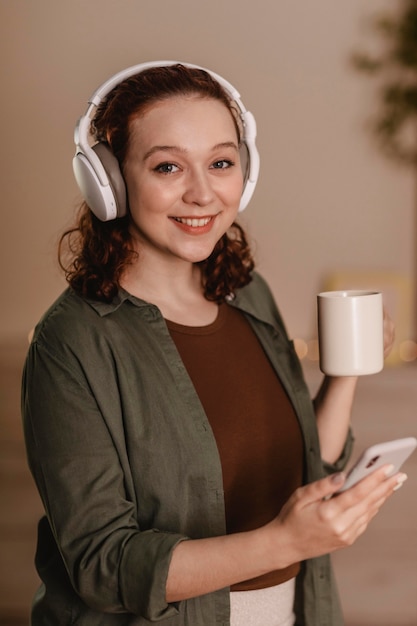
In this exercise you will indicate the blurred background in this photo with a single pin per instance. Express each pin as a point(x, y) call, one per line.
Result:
point(333, 210)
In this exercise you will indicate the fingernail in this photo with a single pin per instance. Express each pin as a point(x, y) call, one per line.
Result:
point(388, 470)
point(400, 481)
point(338, 478)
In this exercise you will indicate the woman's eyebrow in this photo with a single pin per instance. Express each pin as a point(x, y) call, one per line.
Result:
point(226, 144)
point(154, 149)
point(223, 144)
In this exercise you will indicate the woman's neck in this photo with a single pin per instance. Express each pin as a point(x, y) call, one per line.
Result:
point(178, 293)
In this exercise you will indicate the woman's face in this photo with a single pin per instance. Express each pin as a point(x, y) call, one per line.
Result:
point(183, 177)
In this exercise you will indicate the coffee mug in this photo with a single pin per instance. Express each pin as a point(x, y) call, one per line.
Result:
point(351, 332)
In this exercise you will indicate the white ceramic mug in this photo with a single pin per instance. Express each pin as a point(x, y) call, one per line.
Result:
point(351, 332)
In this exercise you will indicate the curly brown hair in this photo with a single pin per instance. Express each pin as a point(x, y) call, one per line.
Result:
point(94, 254)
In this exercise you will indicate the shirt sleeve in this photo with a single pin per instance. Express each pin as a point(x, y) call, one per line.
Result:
point(113, 564)
point(342, 461)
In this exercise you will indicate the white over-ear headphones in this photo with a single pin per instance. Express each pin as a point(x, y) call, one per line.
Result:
point(97, 170)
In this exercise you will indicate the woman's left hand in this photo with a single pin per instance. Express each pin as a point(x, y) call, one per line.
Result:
point(389, 334)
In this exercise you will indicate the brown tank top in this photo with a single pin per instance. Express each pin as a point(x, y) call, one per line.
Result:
point(253, 421)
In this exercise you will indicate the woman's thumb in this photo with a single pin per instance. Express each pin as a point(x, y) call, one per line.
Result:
point(336, 482)
point(326, 487)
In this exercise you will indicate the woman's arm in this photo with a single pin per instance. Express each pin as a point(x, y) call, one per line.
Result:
point(73, 449)
point(333, 404)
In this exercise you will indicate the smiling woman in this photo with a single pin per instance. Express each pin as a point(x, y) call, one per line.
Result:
point(183, 196)
point(181, 462)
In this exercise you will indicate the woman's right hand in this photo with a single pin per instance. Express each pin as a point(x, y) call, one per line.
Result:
point(313, 523)
point(310, 524)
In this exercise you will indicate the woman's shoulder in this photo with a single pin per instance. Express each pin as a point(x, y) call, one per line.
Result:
point(68, 319)
point(260, 285)
point(257, 299)
point(257, 293)
point(75, 325)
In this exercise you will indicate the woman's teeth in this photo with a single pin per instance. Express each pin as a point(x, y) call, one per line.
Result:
point(194, 221)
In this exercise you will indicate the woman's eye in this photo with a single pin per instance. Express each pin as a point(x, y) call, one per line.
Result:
point(166, 168)
point(222, 164)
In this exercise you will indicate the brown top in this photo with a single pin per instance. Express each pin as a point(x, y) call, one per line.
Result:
point(253, 421)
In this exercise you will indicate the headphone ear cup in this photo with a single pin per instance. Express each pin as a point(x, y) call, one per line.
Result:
point(112, 168)
point(108, 201)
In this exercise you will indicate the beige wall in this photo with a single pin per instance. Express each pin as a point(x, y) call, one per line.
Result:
point(326, 200)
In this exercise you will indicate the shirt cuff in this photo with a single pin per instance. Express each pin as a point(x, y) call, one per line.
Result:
point(144, 571)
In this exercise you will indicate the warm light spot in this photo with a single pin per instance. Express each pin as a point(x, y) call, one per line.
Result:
point(408, 350)
point(313, 350)
point(301, 348)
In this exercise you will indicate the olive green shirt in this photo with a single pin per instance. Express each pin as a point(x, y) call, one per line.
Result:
point(127, 465)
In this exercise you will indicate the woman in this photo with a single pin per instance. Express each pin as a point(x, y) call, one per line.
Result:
point(185, 473)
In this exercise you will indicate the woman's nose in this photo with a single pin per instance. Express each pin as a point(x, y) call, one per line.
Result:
point(198, 189)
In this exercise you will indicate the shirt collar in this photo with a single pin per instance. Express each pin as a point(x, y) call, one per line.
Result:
point(106, 308)
point(246, 299)
point(255, 299)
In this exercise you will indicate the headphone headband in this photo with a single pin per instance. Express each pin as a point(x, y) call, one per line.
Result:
point(97, 171)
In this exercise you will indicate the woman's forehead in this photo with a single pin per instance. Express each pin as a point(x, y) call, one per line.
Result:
point(180, 114)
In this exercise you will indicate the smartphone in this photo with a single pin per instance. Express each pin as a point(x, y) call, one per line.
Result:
point(390, 452)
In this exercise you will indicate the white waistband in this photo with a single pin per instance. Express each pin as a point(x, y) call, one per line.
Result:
point(272, 606)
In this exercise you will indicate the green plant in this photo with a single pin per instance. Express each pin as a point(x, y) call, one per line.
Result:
point(395, 124)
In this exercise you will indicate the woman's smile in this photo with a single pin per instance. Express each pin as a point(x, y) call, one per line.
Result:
point(194, 225)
